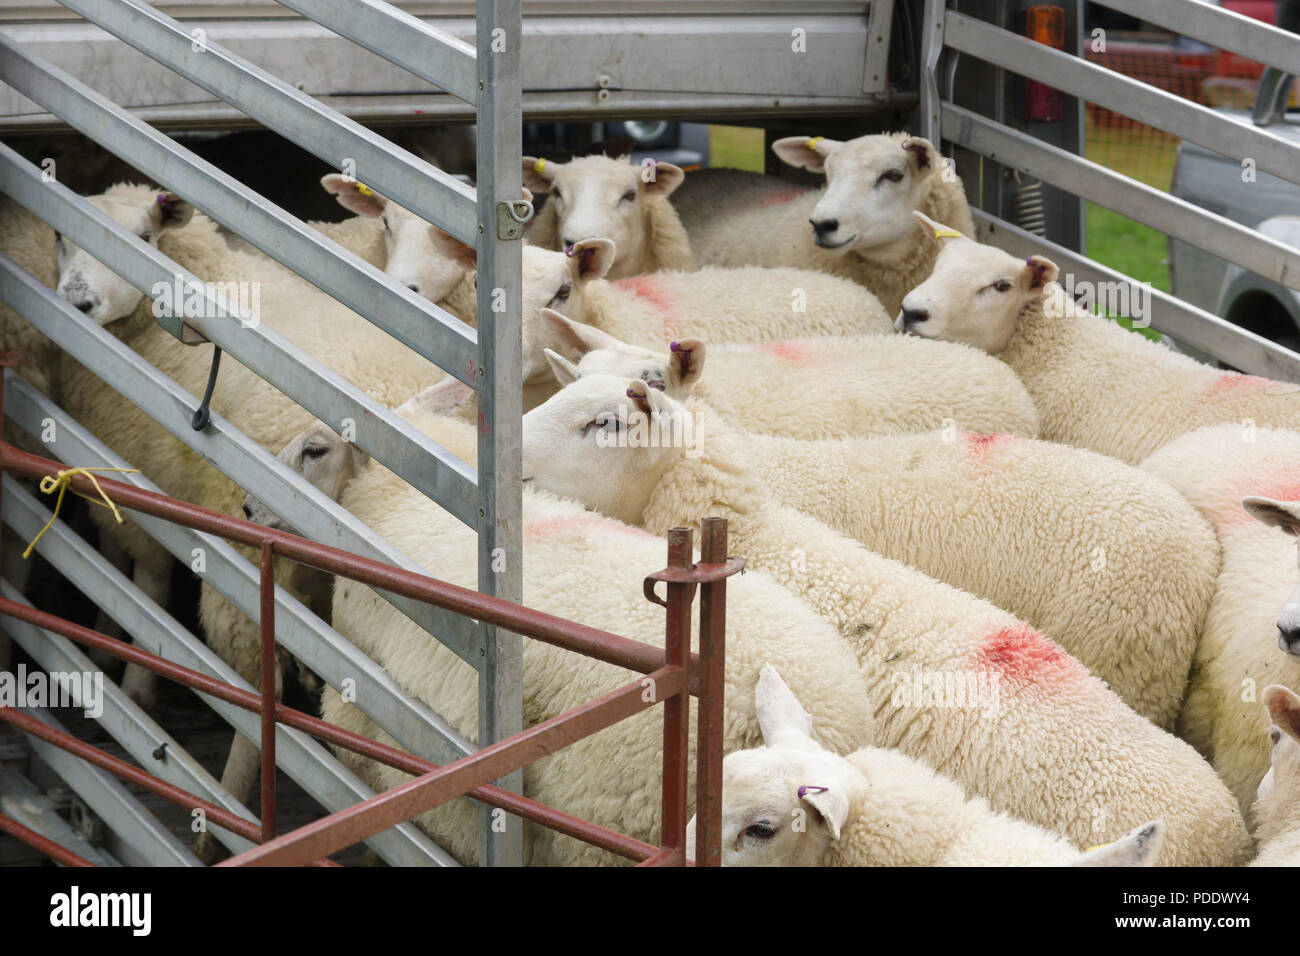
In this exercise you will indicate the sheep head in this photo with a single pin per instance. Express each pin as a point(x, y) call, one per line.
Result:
point(598, 196)
point(1284, 515)
point(1278, 796)
point(784, 803)
point(556, 281)
point(975, 293)
point(873, 185)
point(320, 455)
point(606, 441)
point(89, 285)
point(422, 257)
point(675, 371)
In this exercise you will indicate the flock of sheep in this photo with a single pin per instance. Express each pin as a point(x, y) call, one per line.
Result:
point(1015, 576)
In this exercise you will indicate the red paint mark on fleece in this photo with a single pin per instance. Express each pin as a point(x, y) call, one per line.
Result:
point(651, 290)
point(1231, 383)
point(794, 351)
point(1020, 656)
point(586, 524)
point(980, 447)
point(778, 197)
point(1228, 514)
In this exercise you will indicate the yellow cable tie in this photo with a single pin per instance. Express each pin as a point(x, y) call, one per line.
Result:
point(62, 481)
point(946, 233)
point(539, 166)
point(364, 190)
point(812, 143)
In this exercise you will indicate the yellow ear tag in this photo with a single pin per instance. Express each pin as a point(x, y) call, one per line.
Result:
point(539, 166)
point(364, 190)
point(812, 143)
point(946, 233)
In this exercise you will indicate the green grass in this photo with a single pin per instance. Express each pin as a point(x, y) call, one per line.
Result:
point(736, 147)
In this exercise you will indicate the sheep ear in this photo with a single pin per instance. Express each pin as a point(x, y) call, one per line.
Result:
point(831, 804)
point(661, 179)
point(1138, 847)
point(354, 196)
point(168, 212)
point(566, 373)
point(448, 246)
point(590, 258)
point(921, 154)
point(779, 713)
point(937, 231)
point(1282, 514)
point(1038, 272)
point(806, 152)
point(359, 458)
point(688, 360)
point(1283, 709)
point(539, 173)
point(578, 336)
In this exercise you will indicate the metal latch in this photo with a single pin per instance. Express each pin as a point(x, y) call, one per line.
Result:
point(511, 216)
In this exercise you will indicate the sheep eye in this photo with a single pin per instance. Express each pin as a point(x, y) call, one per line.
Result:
point(628, 196)
point(1002, 285)
point(893, 175)
point(314, 452)
point(762, 830)
point(563, 294)
point(388, 226)
point(556, 194)
point(609, 423)
point(1274, 735)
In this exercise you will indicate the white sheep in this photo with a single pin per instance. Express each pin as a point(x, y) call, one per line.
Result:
point(984, 513)
point(861, 222)
point(595, 196)
point(565, 549)
point(353, 347)
point(955, 682)
point(1278, 805)
point(29, 242)
point(1096, 384)
point(862, 385)
point(792, 802)
point(1218, 469)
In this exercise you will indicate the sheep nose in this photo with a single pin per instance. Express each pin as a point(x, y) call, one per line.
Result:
point(85, 305)
point(914, 316)
point(1288, 638)
point(248, 512)
point(825, 227)
point(413, 287)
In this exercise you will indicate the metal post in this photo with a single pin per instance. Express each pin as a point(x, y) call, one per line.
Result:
point(677, 712)
point(268, 690)
point(708, 746)
point(498, 380)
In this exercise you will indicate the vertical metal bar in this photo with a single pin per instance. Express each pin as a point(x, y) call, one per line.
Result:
point(708, 744)
point(500, 544)
point(268, 690)
point(8, 359)
point(677, 711)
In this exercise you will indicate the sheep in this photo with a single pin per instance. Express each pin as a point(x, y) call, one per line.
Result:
point(353, 347)
point(565, 549)
point(30, 243)
point(1096, 384)
point(861, 228)
point(1278, 804)
point(1218, 469)
point(880, 385)
point(946, 500)
point(791, 802)
point(955, 682)
point(597, 196)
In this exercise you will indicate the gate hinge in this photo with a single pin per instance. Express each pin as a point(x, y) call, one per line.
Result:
point(511, 216)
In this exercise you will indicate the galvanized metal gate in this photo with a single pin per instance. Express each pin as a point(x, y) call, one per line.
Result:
point(486, 76)
point(954, 41)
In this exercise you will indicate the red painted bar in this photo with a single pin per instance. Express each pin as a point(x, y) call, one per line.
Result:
point(38, 842)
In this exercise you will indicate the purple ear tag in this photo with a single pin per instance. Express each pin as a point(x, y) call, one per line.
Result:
point(810, 789)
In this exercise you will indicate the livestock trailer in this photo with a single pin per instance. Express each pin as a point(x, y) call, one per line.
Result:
point(344, 80)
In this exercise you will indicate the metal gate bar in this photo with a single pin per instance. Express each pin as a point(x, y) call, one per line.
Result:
point(44, 844)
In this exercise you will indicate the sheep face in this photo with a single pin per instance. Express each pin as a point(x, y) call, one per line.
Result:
point(90, 286)
point(873, 184)
point(786, 802)
point(675, 371)
point(596, 196)
point(605, 441)
point(555, 281)
point(1280, 787)
point(975, 293)
point(323, 458)
point(1285, 515)
point(421, 256)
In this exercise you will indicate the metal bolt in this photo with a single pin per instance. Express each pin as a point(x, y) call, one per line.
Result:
point(603, 95)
